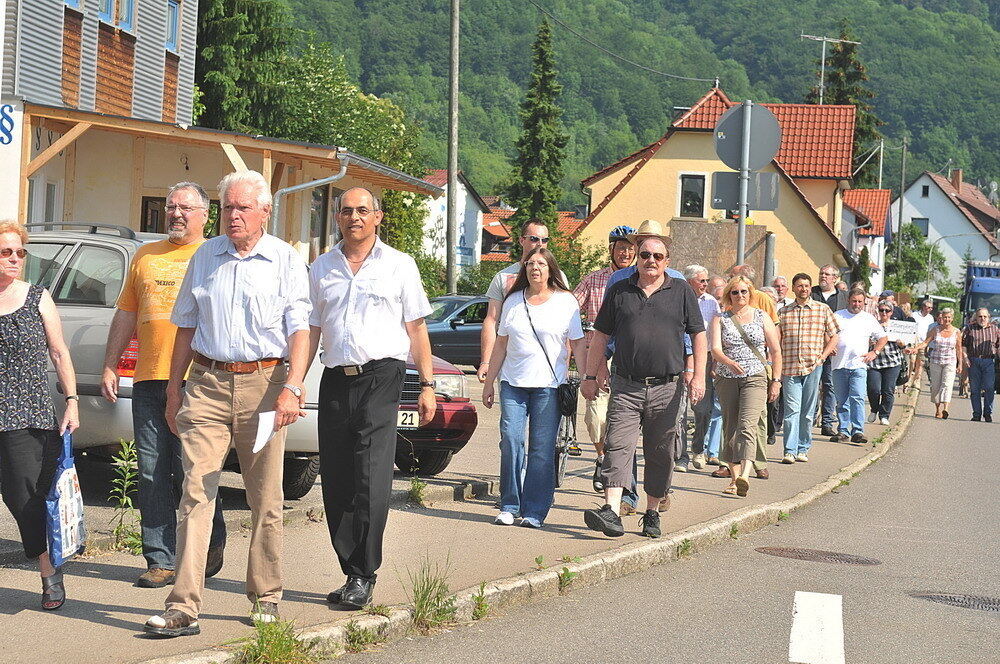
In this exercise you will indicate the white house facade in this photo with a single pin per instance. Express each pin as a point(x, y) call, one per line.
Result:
point(471, 208)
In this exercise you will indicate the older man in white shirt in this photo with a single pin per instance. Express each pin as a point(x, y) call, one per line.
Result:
point(697, 278)
point(243, 318)
point(368, 307)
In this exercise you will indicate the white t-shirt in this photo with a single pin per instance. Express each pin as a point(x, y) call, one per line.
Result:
point(923, 324)
point(556, 321)
point(504, 279)
point(856, 332)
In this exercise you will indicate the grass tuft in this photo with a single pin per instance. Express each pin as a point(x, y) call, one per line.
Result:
point(433, 605)
point(571, 559)
point(783, 516)
point(358, 639)
point(539, 562)
point(566, 577)
point(276, 643)
point(417, 489)
point(734, 532)
point(684, 548)
point(376, 610)
point(480, 607)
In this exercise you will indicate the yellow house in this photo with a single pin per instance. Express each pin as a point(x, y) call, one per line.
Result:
point(670, 181)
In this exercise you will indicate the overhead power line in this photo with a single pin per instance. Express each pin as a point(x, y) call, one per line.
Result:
point(557, 20)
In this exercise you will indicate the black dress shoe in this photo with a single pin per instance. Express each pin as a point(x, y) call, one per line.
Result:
point(334, 597)
point(358, 592)
point(827, 431)
point(987, 418)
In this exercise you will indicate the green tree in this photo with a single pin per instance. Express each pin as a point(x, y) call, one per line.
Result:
point(846, 79)
point(240, 63)
point(906, 262)
point(534, 187)
point(862, 270)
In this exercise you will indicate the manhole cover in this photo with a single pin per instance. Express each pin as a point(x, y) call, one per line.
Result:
point(817, 555)
point(962, 601)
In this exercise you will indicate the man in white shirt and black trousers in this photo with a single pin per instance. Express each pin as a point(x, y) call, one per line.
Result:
point(369, 306)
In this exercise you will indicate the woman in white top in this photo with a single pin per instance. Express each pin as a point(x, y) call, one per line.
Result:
point(539, 319)
point(943, 359)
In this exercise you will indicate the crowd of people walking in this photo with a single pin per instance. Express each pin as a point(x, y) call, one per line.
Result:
point(228, 327)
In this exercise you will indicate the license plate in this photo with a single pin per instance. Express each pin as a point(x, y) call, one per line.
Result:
point(407, 419)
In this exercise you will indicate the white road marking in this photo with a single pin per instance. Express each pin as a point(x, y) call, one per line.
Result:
point(817, 635)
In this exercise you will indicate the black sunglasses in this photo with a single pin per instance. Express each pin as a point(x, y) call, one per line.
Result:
point(535, 238)
point(739, 292)
point(885, 311)
point(6, 252)
point(645, 255)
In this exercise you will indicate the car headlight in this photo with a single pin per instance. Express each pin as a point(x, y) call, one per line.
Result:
point(451, 385)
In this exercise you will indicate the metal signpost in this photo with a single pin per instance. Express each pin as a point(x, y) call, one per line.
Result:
point(747, 138)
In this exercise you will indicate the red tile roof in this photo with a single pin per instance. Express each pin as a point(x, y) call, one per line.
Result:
point(496, 257)
point(816, 141)
point(568, 223)
point(973, 204)
point(872, 203)
point(494, 222)
point(437, 177)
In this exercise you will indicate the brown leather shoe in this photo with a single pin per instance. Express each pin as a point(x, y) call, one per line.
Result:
point(155, 577)
point(172, 623)
point(723, 471)
point(214, 561)
point(762, 474)
point(664, 504)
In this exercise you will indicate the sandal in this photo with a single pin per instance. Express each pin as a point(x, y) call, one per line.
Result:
point(944, 415)
point(730, 490)
point(742, 486)
point(53, 591)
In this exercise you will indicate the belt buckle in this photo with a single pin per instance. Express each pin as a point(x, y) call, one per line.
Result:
point(649, 381)
point(352, 370)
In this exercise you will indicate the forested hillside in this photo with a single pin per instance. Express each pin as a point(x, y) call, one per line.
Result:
point(934, 65)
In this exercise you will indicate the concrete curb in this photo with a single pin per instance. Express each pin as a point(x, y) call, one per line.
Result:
point(596, 568)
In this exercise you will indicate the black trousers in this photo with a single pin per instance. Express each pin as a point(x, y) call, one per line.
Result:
point(28, 459)
point(357, 447)
point(775, 416)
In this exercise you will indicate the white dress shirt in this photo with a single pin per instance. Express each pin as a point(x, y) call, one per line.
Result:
point(856, 331)
point(243, 308)
point(362, 315)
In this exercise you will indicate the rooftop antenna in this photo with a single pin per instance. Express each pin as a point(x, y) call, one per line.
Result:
point(822, 60)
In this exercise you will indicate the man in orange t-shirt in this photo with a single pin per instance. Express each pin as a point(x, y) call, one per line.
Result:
point(144, 309)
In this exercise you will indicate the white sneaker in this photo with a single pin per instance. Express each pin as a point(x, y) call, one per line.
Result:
point(504, 519)
point(788, 458)
point(801, 457)
point(884, 421)
point(698, 461)
point(871, 418)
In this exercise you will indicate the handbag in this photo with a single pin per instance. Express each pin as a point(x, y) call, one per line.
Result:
point(753, 349)
point(904, 373)
point(64, 528)
point(568, 393)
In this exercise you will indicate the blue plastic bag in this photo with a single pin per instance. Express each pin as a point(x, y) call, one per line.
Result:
point(64, 509)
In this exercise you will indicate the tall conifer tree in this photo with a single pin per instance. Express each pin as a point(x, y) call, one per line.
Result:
point(534, 187)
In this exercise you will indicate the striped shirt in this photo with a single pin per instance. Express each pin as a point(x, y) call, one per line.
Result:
point(590, 292)
point(805, 329)
point(243, 308)
point(979, 341)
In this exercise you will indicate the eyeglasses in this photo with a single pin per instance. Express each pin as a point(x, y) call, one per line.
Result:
point(885, 311)
point(535, 238)
point(646, 255)
point(362, 211)
point(7, 252)
point(184, 209)
point(739, 292)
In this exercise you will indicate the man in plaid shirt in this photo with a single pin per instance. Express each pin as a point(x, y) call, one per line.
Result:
point(808, 336)
point(590, 294)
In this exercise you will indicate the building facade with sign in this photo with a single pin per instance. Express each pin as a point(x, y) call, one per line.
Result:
point(96, 104)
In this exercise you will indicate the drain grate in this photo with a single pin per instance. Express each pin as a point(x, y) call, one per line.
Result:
point(962, 601)
point(817, 555)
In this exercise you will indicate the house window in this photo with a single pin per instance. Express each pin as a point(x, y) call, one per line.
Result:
point(922, 223)
point(119, 13)
point(925, 191)
point(173, 23)
point(692, 196)
point(105, 8)
point(75, 4)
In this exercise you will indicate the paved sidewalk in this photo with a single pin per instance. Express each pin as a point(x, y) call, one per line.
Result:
point(102, 620)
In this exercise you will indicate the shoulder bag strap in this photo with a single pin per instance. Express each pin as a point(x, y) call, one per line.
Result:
point(753, 348)
point(527, 311)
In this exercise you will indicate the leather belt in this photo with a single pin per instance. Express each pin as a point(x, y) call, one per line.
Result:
point(647, 380)
point(237, 367)
point(358, 369)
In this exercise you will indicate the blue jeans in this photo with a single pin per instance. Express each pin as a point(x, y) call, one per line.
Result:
point(713, 437)
point(161, 477)
point(981, 381)
point(850, 386)
point(882, 389)
point(828, 415)
point(526, 489)
point(800, 394)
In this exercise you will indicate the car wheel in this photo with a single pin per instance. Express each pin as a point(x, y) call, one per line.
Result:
point(422, 462)
point(300, 475)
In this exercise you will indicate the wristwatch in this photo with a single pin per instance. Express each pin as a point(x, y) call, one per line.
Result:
point(590, 377)
point(294, 389)
point(428, 383)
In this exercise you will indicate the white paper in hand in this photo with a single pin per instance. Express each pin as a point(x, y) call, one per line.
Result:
point(265, 430)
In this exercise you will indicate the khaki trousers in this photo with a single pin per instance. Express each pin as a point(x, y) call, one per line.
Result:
point(741, 400)
point(220, 408)
point(596, 417)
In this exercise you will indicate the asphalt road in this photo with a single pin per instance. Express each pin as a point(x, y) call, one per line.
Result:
point(929, 512)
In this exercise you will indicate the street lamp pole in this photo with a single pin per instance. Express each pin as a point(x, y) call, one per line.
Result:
point(930, 253)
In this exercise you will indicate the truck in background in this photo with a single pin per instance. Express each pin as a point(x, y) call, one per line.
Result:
point(982, 288)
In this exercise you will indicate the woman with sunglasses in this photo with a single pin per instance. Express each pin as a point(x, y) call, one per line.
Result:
point(884, 370)
point(539, 320)
point(743, 379)
point(30, 332)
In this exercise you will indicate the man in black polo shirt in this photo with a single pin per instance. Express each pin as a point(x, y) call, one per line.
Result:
point(647, 314)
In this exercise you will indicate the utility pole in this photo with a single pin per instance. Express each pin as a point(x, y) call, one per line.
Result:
point(822, 60)
point(451, 232)
point(899, 214)
point(881, 154)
